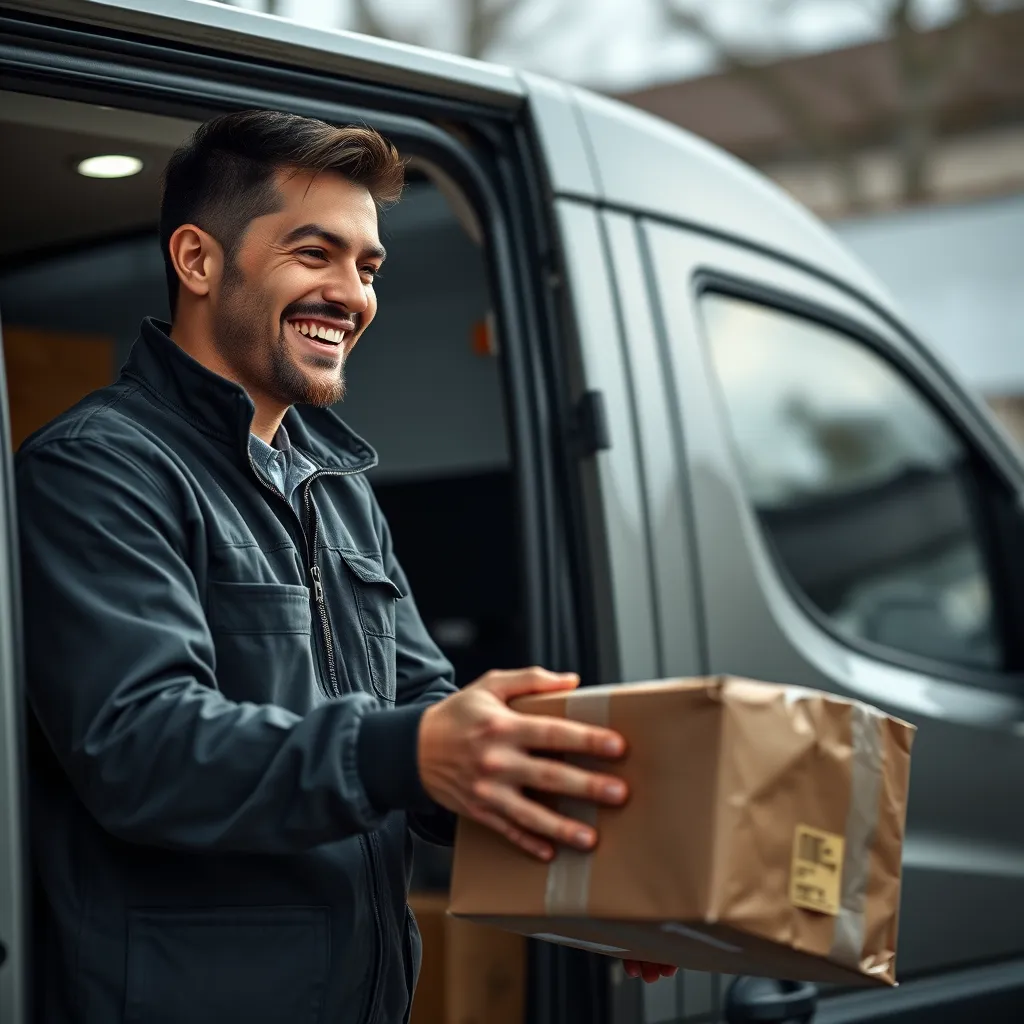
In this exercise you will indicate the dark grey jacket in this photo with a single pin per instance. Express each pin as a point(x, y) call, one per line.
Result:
point(225, 702)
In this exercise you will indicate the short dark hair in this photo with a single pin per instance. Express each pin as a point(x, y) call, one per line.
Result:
point(222, 177)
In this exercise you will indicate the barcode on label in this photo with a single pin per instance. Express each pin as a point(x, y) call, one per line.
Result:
point(816, 871)
point(813, 849)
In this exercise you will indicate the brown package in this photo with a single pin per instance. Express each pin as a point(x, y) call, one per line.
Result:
point(763, 835)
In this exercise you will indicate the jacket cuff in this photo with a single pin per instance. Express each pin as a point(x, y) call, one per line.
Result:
point(436, 827)
point(386, 757)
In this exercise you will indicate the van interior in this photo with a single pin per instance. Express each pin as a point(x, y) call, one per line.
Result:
point(80, 267)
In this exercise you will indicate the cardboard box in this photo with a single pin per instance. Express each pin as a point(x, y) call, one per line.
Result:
point(470, 974)
point(763, 835)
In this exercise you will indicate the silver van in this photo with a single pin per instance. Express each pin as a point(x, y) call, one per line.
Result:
point(638, 414)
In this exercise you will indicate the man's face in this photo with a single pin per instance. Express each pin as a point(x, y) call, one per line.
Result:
point(298, 293)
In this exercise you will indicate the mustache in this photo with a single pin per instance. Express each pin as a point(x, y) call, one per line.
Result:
point(327, 310)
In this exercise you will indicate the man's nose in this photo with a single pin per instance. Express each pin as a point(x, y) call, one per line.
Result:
point(347, 289)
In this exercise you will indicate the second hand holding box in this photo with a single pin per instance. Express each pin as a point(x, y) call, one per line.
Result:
point(763, 835)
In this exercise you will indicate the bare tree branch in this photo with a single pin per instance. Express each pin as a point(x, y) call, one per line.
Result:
point(817, 133)
point(926, 66)
point(368, 21)
point(485, 22)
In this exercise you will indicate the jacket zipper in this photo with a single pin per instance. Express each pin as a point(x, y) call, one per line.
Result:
point(318, 588)
point(369, 848)
point(378, 967)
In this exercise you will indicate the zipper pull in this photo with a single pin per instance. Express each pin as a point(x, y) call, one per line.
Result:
point(318, 587)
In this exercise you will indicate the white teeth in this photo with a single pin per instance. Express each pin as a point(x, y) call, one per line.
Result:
point(325, 333)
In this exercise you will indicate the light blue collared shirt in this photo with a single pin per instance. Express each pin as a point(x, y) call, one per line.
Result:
point(285, 468)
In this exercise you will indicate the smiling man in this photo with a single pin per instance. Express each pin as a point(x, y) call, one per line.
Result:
point(237, 714)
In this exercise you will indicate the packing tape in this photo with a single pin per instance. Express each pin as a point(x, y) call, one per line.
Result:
point(568, 884)
point(861, 823)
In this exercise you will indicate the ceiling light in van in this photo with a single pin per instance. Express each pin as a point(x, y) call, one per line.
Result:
point(110, 166)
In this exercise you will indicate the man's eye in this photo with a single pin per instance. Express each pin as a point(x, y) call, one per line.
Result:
point(316, 254)
point(372, 273)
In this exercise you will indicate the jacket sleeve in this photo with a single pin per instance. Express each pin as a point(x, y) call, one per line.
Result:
point(122, 677)
point(425, 676)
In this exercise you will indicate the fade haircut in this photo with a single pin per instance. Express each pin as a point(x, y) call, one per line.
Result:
point(223, 176)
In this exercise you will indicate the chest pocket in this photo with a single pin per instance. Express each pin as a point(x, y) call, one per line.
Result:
point(261, 633)
point(375, 595)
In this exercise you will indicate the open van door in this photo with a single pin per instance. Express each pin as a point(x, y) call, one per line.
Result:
point(13, 885)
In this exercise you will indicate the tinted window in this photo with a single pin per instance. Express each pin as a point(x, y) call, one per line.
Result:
point(865, 491)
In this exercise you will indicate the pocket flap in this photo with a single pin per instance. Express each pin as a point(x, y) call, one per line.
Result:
point(370, 569)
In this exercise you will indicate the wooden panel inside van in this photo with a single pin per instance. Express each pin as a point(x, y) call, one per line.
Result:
point(49, 371)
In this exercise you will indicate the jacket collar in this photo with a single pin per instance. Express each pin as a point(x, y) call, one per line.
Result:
point(221, 409)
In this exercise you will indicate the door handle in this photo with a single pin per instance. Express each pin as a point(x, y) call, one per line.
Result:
point(751, 999)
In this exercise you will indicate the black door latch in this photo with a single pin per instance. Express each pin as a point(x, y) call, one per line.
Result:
point(588, 431)
point(764, 999)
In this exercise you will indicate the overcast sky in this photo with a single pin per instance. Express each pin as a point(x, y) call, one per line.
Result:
point(623, 44)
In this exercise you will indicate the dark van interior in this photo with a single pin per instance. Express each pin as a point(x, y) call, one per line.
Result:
point(80, 266)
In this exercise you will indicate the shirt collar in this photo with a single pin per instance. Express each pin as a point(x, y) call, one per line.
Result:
point(221, 409)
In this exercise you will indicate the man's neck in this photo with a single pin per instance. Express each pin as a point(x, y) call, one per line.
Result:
point(266, 427)
point(268, 414)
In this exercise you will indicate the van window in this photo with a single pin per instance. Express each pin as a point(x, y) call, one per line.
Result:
point(866, 494)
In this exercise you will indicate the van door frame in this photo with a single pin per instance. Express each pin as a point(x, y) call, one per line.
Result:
point(14, 908)
point(489, 153)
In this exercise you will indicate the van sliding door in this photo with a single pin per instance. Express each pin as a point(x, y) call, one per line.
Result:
point(13, 884)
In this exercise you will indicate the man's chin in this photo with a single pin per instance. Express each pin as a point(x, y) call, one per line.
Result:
point(305, 383)
point(323, 389)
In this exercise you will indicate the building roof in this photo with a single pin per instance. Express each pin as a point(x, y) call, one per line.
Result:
point(857, 92)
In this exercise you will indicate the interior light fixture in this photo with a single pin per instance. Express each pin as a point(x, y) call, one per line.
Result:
point(110, 165)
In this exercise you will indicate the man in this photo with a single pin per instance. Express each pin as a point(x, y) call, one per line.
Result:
point(237, 712)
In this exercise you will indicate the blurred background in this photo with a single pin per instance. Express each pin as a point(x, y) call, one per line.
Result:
point(901, 122)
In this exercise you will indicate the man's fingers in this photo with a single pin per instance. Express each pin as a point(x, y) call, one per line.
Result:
point(532, 817)
point(550, 776)
point(533, 845)
point(650, 972)
point(519, 682)
point(544, 732)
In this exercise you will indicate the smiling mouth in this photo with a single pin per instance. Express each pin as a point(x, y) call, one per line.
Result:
point(322, 335)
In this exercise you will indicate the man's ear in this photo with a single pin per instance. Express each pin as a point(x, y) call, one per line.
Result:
point(197, 257)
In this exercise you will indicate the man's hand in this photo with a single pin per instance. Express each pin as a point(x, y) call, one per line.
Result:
point(475, 758)
point(648, 971)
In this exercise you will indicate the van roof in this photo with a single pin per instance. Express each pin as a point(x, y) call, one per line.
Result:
point(219, 26)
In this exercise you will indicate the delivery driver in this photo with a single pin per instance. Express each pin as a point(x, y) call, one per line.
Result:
point(236, 710)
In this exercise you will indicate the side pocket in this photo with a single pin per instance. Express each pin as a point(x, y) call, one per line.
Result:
point(260, 965)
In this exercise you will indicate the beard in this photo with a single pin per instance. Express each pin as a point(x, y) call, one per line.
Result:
point(267, 366)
